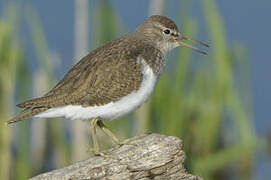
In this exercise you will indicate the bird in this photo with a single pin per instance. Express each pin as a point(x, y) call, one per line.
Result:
point(112, 80)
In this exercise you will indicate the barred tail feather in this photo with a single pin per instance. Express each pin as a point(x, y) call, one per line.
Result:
point(27, 114)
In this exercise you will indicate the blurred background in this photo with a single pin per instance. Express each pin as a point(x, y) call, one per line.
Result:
point(217, 104)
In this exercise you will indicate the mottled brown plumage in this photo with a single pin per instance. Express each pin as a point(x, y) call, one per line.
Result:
point(111, 71)
point(105, 75)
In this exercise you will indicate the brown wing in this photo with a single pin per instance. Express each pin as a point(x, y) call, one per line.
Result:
point(103, 76)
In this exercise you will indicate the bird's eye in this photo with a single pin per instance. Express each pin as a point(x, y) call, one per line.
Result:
point(167, 31)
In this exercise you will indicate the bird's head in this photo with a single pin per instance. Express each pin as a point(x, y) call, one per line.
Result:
point(164, 33)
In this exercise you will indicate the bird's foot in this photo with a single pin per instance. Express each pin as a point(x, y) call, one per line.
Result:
point(129, 141)
point(102, 154)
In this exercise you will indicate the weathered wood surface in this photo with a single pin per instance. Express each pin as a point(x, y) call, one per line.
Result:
point(153, 156)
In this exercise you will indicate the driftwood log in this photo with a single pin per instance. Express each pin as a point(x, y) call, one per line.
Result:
point(152, 156)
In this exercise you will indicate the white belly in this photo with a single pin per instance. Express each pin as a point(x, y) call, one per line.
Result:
point(112, 110)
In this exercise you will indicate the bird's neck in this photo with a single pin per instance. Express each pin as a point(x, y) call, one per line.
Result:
point(149, 50)
point(154, 57)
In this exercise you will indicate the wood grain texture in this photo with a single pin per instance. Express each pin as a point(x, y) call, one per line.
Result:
point(152, 156)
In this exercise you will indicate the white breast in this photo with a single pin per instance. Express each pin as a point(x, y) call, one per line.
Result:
point(112, 110)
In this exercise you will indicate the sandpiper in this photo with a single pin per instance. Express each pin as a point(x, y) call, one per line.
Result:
point(113, 80)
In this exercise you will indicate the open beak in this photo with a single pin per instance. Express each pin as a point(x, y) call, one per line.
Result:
point(180, 37)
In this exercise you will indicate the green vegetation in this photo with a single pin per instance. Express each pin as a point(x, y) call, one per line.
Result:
point(11, 61)
point(198, 100)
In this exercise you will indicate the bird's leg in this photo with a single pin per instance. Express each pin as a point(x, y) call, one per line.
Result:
point(93, 125)
point(109, 133)
point(95, 148)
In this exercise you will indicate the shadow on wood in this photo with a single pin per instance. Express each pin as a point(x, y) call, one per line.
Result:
point(152, 156)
